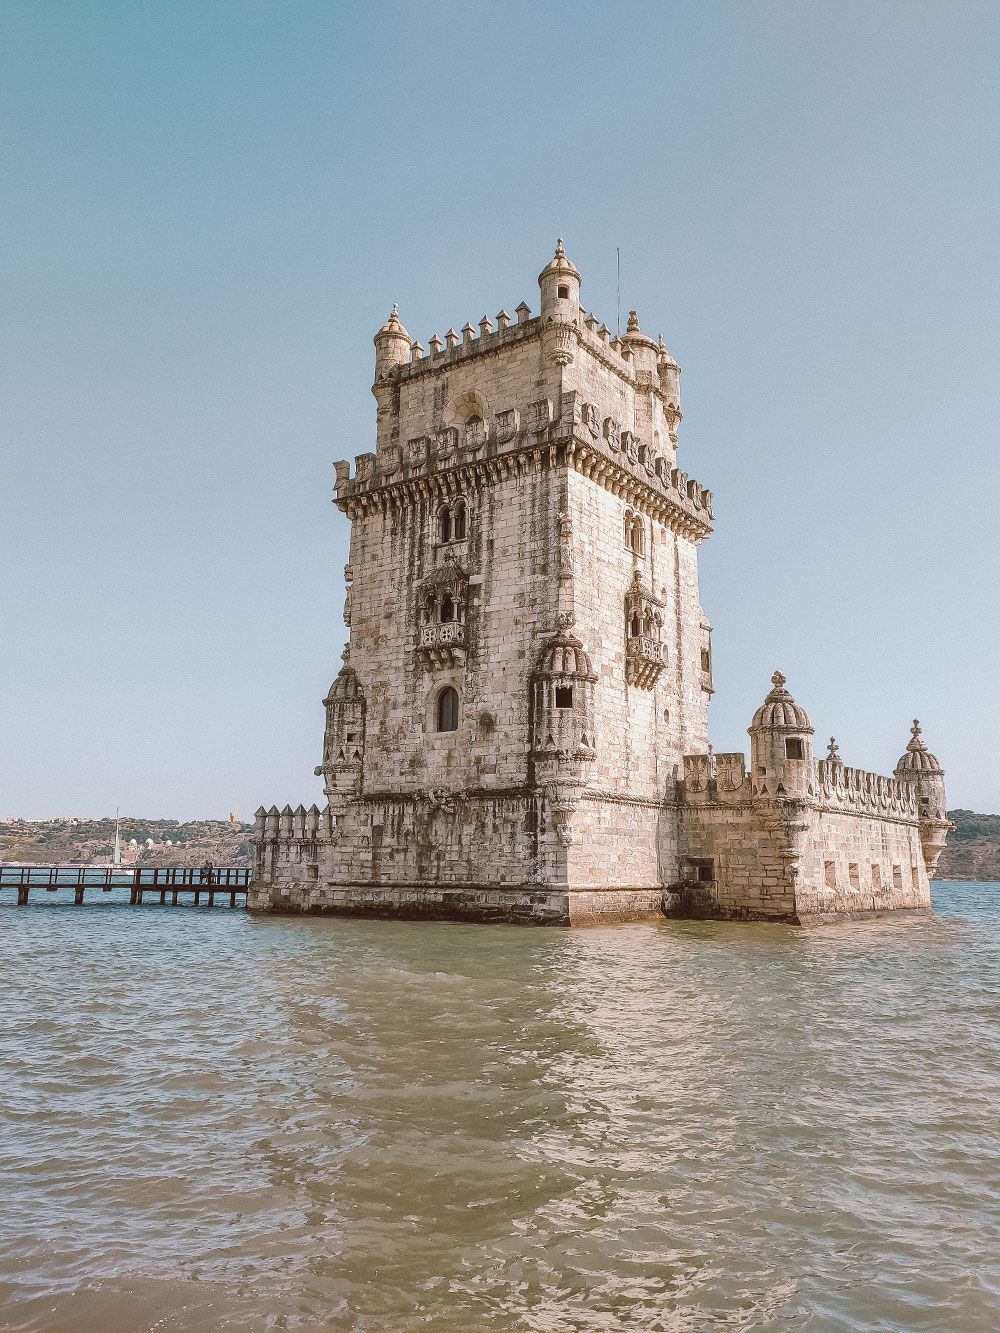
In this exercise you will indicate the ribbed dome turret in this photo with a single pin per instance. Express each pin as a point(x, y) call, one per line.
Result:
point(392, 328)
point(918, 759)
point(564, 655)
point(559, 263)
point(345, 688)
point(780, 711)
point(663, 356)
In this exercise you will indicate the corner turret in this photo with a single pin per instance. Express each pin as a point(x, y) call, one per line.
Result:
point(921, 768)
point(392, 345)
point(781, 755)
point(392, 348)
point(644, 351)
point(560, 282)
point(344, 741)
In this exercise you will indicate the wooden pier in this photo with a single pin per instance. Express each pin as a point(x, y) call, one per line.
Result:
point(194, 884)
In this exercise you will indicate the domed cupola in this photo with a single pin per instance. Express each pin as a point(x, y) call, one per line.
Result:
point(565, 655)
point(645, 353)
point(917, 759)
point(781, 746)
point(560, 282)
point(779, 709)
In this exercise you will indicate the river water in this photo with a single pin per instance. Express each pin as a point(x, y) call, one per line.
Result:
point(214, 1122)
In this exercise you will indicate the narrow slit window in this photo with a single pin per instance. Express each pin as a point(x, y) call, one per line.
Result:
point(446, 525)
point(461, 523)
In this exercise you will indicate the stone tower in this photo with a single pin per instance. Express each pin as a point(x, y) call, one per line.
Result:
point(528, 660)
point(519, 730)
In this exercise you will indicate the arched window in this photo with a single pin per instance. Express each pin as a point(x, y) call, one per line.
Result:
point(447, 609)
point(444, 520)
point(447, 710)
point(461, 522)
point(430, 609)
point(635, 627)
point(628, 529)
point(637, 543)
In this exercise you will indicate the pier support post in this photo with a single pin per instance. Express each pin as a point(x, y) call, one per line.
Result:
point(22, 895)
point(173, 897)
point(78, 898)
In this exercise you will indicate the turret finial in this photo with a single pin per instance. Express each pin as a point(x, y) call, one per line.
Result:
point(633, 322)
point(833, 757)
point(559, 246)
point(778, 680)
point(917, 741)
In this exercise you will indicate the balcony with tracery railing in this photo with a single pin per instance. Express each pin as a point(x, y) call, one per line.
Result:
point(643, 660)
point(442, 645)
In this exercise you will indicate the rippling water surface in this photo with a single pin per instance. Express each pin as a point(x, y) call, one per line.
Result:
point(223, 1123)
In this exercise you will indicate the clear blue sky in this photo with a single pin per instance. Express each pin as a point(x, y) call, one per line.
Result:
point(208, 209)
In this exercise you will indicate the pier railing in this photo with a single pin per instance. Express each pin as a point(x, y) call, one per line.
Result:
point(139, 880)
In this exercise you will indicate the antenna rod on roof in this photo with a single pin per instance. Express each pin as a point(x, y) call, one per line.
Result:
point(619, 284)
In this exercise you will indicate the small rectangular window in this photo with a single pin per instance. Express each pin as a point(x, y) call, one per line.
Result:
point(564, 696)
point(830, 874)
point(706, 660)
point(897, 877)
point(855, 878)
point(563, 293)
point(706, 871)
point(793, 749)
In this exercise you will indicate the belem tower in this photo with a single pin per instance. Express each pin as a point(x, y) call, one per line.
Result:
point(519, 731)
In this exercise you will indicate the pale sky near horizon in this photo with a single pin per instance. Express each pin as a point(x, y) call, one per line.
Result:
point(209, 208)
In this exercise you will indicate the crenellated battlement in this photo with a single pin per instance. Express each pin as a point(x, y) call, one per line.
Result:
point(724, 778)
point(840, 787)
point(456, 348)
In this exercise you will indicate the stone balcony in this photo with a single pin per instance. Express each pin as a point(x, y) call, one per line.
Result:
point(442, 645)
point(643, 660)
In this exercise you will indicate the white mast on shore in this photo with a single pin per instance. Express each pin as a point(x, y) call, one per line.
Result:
point(116, 858)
